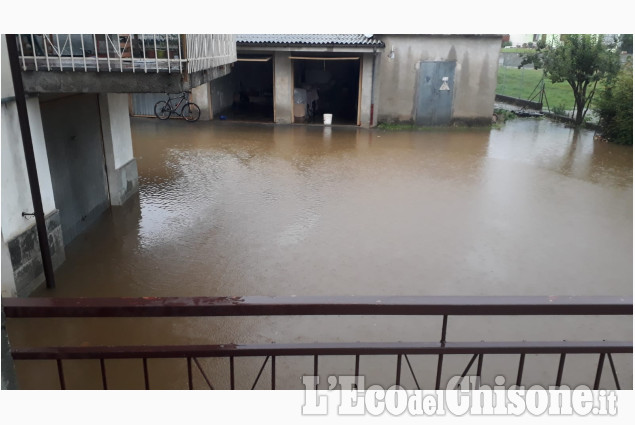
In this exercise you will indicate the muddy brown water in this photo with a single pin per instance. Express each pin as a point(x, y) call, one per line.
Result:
point(532, 208)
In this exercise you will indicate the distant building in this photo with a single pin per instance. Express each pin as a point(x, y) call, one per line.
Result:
point(360, 79)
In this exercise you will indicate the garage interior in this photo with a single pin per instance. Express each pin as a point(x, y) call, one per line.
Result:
point(251, 81)
point(326, 85)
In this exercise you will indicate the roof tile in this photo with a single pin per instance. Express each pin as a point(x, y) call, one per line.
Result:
point(308, 39)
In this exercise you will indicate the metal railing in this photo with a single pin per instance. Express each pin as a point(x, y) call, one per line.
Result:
point(325, 306)
point(171, 53)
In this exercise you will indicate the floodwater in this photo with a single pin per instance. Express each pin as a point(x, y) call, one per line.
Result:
point(532, 208)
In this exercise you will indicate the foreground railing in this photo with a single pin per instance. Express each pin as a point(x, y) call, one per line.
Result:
point(323, 306)
point(169, 53)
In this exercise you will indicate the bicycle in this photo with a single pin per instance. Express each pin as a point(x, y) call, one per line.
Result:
point(189, 111)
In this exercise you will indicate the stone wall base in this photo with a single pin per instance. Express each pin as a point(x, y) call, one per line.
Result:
point(26, 259)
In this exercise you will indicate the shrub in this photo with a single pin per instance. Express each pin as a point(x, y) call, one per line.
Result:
point(616, 107)
point(559, 109)
point(541, 44)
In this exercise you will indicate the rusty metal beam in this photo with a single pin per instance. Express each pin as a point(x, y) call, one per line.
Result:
point(322, 349)
point(316, 305)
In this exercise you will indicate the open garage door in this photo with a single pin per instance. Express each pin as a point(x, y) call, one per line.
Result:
point(246, 93)
point(326, 85)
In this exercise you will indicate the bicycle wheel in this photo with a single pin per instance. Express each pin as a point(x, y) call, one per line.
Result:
point(162, 110)
point(191, 112)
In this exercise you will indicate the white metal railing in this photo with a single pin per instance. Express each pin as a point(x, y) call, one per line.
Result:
point(205, 51)
point(125, 52)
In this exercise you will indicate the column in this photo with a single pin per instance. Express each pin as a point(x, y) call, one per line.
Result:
point(283, 88)
point(201, 96)
point(121, 166)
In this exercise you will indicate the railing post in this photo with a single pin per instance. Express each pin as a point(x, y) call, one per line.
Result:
point(563, 356)
point(190, 383)
point(232, 384)
point(34, 53)
point(617, 382)
point(104, 382)
point(521, 365)
point(273, 372)
point(444, 329)
point(356, 372)
point(598, 374)
point(398, 379)
point(315, 370)
point(60, 374)
point(96, 51)
point(146, 375)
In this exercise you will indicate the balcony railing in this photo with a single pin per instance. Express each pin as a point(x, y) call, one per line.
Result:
point(327, 306)
point(171, 53)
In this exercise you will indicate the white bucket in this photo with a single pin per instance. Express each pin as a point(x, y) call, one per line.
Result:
point(327, 119)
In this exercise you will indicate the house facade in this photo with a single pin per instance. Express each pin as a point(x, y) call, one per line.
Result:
point(77, 96)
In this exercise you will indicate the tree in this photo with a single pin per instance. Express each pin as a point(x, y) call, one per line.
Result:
point(582, 60)
point(616, 107)
point(626, 43)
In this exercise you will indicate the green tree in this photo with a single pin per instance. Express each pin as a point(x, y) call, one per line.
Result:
point(582, 60)
point(616, 107)
point(626, 43)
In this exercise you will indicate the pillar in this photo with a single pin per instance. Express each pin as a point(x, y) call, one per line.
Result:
point(202, 97)
point(367, 89)
point(121, 166)
point(283, 88)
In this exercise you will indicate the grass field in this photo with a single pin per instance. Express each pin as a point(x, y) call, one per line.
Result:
point(517, 50)
point(521, 82)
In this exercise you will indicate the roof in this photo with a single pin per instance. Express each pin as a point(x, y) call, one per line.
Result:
point(348, 40)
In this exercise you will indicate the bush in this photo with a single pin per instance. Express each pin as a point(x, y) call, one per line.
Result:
point(506, 43)
point(559, 109)
point(503, 115)
point(541, 44)
point(616, 107)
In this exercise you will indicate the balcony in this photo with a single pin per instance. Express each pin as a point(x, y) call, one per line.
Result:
point(132, 62)
point(586, 355)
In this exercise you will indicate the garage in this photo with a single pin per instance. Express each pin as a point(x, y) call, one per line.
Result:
point(301, 78)
point(326, 85)
point(246, 93)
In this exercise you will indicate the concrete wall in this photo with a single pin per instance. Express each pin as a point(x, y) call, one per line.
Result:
point(475, 75)
point(16, 192)
point(202, 97)
point(72, 129)
point(283, 88)
point(121, 166)
point(21, 259)
point(7, 83)
point(222, 92)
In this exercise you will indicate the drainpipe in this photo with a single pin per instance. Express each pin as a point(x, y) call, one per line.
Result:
point(29, 156)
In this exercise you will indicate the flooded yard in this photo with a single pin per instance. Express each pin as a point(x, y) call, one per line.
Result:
point(532, 208)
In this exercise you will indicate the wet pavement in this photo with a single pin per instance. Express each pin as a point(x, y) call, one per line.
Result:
point(531, 208)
